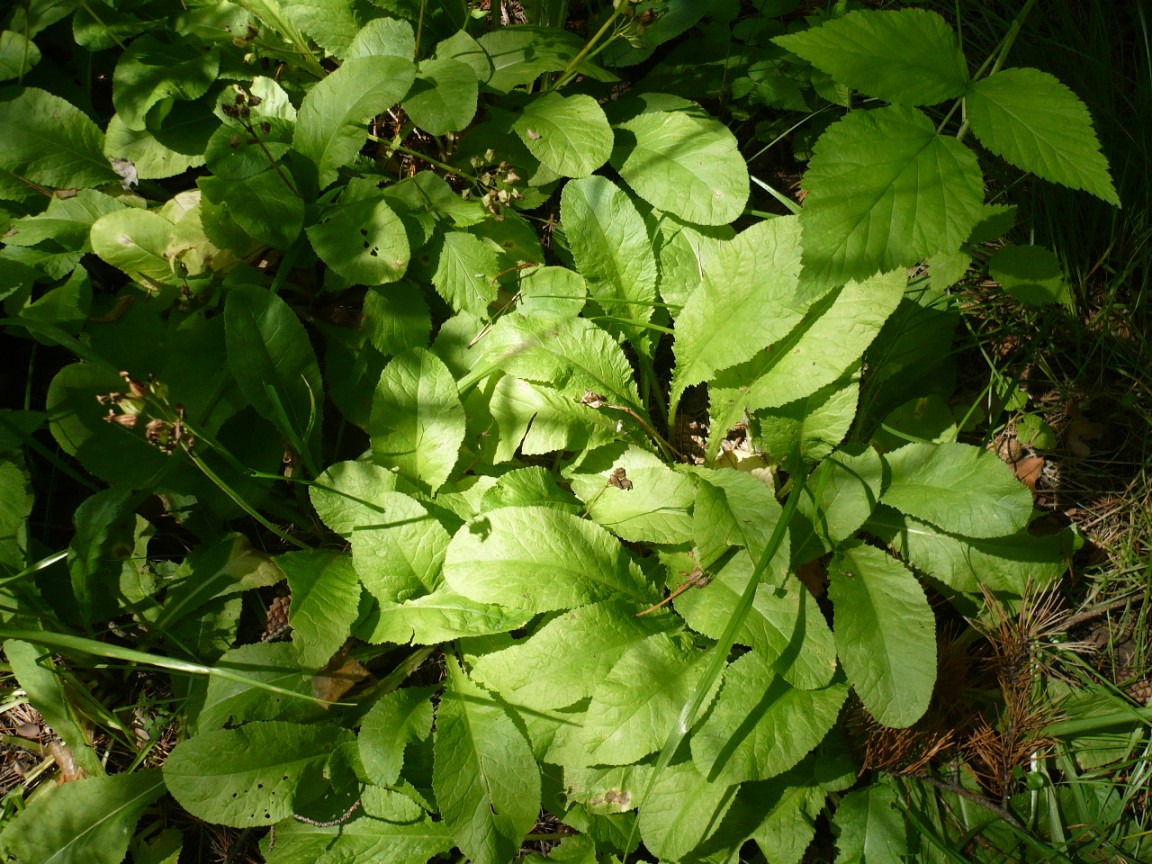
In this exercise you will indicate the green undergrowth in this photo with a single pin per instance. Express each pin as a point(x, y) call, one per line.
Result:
point(623, 504)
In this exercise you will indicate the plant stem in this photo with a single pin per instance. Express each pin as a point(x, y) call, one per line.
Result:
point(570, 69)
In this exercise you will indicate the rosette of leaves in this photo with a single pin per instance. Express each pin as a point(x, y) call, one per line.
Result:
point(619, 636)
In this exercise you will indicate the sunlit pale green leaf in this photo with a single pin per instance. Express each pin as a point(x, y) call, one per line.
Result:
point(827, 345)
point(959, 488)
point(351, 494)
point(785, 626)
point(438, 617)
point(384, 37)
point(747, 299)
point(325, 596)
point(760, 725)
point(257, 774)
point(885, 633)
point(568, 134)
point(636, 703)
point(885, 191)
point(486, 781)
point(540, 559)
point(910, 56)
point(842, 492)
point(397, 719)
point(417, 422)
point(683, 809)
point(229, 702)
point(466, 271)
point(1029, 118)
point(683, 163)
point(135, 241)
point(399, 553)
point(362, 838)
point(85, 822)
point(812, 426)
point(565, 660)
point(654, 505)
point(610, 243)
point(331, 24)
point(332, 124)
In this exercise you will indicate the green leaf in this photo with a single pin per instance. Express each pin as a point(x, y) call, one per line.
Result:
point(403, 841)
point(255, 775)
point(485, 778)
point(417, 423)
point(542, 671)
point(17, 55)
point(571, 356)
point(1031, 274)
point(332, 24)
point(684, 163)
point(66, 221)
point(736, 508)
point(396, 318)
point(653, 507)
point(885, 191)
point(272, 360)
point(351, 494)
point(826, 346)
point(552, 292)
point(137, 242)
point(908, 56)
point(1029, 118)
point(399, 718)
point(610, 244)
point(747, 299)
point(842, 493)
point(85, 822)
point(530, 486)
point(539, 559)
point(264, 205)
point(104, 526)
point(568, 134)
point(533, 420)
point(151, 71)
point(50, 141)
point(234, 701)
point(37, 675)
point(813, 426)
point(325, 598)
point(870, 827)
point(1006, 563)
point(686, 252)
point(683, 810)
point(959, 488)
point(384, 37)
point(466, 271)
point(519, 55)
point(443, 97)
point(784, 626)
point(760, 725)
point(362, 238)
point(885, 633)
point(16, 500)
point(438, 617)
point(400, 552)
point(330, 127)
point(635, 704)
